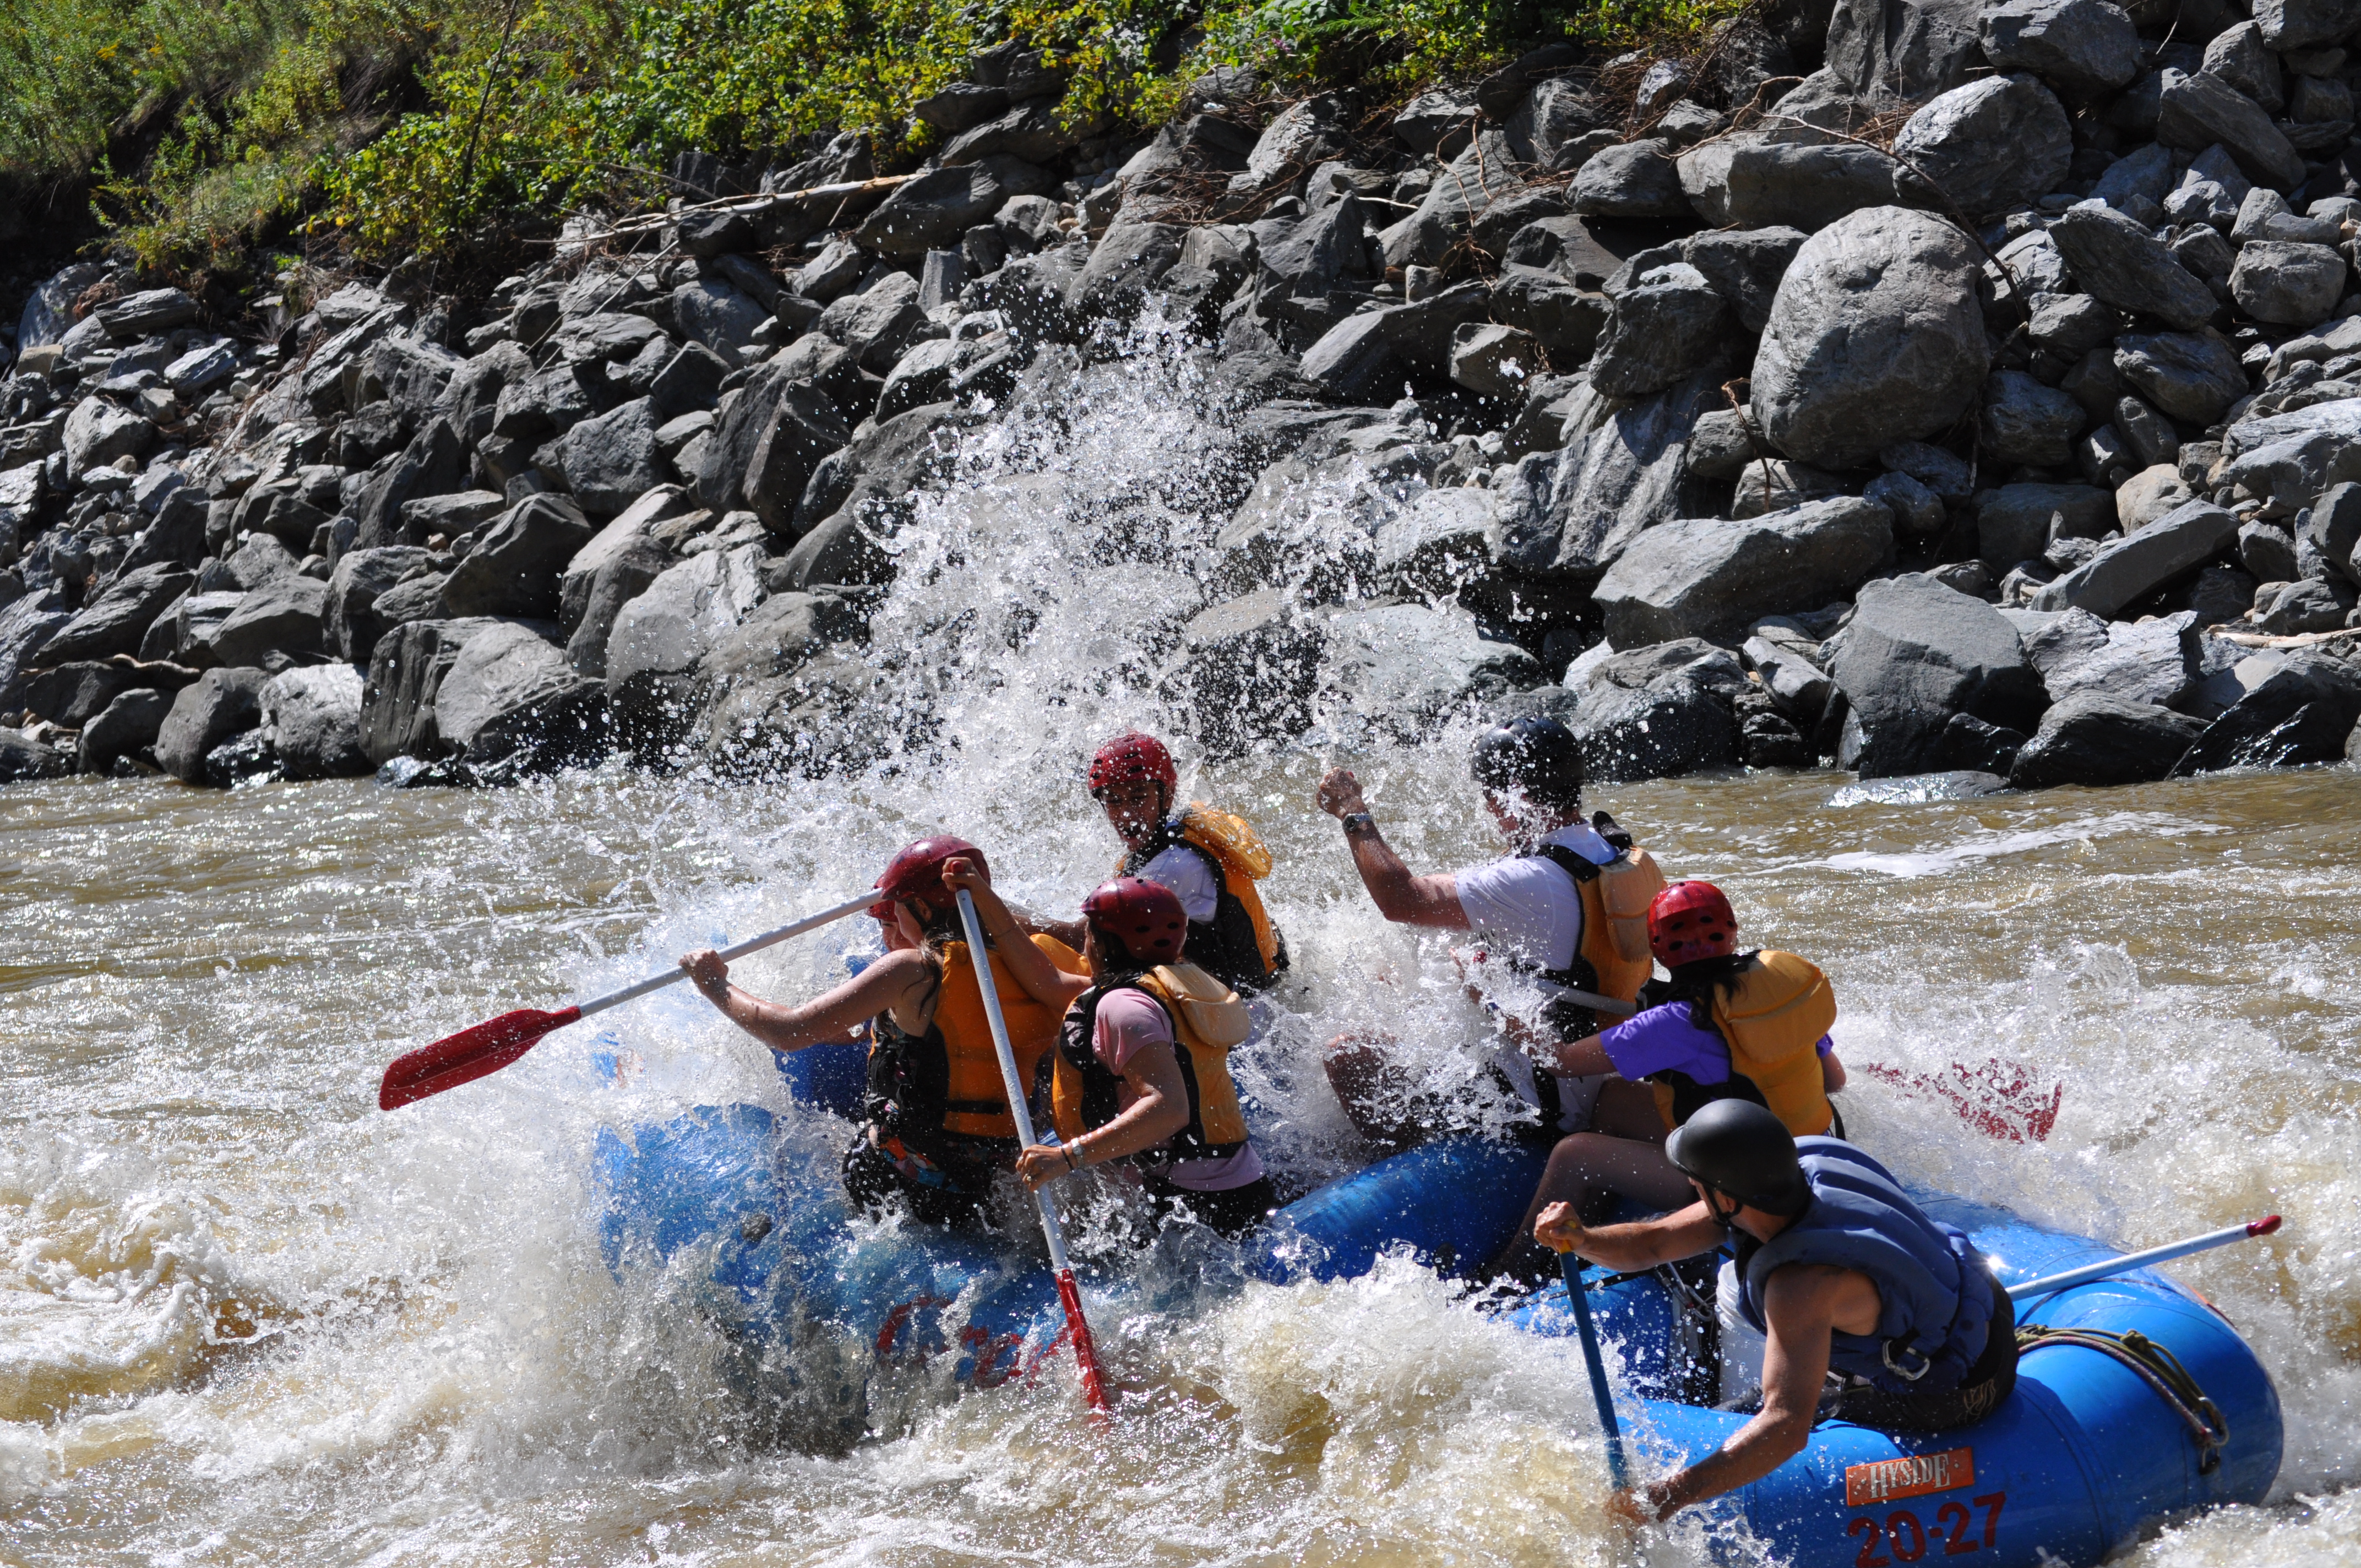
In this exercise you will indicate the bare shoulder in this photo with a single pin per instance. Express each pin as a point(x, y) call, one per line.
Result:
point(1846, 1298)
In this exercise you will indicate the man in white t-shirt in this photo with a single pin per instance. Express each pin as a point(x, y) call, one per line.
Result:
point(1533, 970)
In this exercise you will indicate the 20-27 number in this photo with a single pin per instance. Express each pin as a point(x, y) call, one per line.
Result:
point(1910, 1538)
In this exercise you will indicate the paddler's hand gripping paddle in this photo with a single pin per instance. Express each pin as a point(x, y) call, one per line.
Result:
point(490, 1046)
point(1070, 1295)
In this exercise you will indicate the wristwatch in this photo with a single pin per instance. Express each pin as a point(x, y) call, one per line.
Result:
point(1359, 822)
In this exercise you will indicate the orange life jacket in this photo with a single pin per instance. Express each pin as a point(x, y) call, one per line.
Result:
point(1772, 1020)
point(1208, 1021)
point(947, 1081)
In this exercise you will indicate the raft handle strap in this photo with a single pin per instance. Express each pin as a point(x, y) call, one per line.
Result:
point(2154, 1366)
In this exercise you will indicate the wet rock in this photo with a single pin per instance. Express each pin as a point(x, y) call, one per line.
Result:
point(878, 325)
point(659, 637)
point(22, 758)
point(513, 568)
point(129, 724)
point(1799, 687)
point(1657, 711)
point(219, 705)
point(1709, 576)
point(1493, 360)
point(1915, 652)
point(1990, 146)
point(1125, 265)
point(2096, 738)
point(1668, 327)
point(405, 675)
point(1249, 668)
point(1409, 666)
point(1874, 337)
point(118, 618)
point(510, 697)
point(2301, 711)
point(2026, 422)
point(2134, 567)
point(1619, 471)
point(360, 578)
point(2123, 265)
point(2292, 285)
point(312, 719)
point(2198, 110)
point(2084, 48)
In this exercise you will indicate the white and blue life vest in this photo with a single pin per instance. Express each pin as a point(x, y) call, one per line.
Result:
point(1934, 1289)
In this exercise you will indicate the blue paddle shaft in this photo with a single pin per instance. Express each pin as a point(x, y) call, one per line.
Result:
point(1619, 1469)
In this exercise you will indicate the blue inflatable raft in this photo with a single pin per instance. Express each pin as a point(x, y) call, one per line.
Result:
point(2086, 1454)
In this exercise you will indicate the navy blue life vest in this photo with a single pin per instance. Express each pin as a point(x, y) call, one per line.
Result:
point(1934, 1289)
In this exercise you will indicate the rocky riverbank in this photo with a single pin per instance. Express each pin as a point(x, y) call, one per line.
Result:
point(1913, 387)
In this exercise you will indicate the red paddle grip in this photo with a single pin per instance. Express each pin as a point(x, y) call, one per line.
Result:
point(2264, 1226)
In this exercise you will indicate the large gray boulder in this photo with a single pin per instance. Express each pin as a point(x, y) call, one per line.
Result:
point(1874, 337)
point(1629, 179)
point(1746, 266)
point(98, 431)
point(514, 567)
point(288, 614)
point(360, 579)
point(405, 675)
point(610, 571)
point(1990, 146)
point(218, 704)
point(2120, 263)
point(2302, 712)
point(1657, 711)
point(2083, 48)
point(509, 693)
point(1670, 325)
point(2193, 377)
point(804, 427)
point(312, 720)
point(1708, 576)
point(710, 311)
point(2199, 109)
point(934, 210)
point(684, 613)
point(2132, 568)
point(1753, 179)
point(1619, 469)
point(2305, 24)
point(116, 621)
point(1915, 653)
point(1910, 48)
point(2097, 738)
point(2156, 661)
point(2287, 283)
point(613, 460)
point(433, 464)
point(1249, 668)
point(23, 758)
point(129, 723)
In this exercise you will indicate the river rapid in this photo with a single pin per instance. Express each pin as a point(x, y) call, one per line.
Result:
point(246, 1317)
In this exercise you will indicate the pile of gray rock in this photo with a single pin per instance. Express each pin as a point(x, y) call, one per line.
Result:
point(1913, 385)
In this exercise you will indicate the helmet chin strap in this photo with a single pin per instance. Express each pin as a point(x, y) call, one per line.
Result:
point(1713, 1206)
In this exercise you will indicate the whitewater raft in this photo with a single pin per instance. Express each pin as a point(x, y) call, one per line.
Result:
point(2088, 1453)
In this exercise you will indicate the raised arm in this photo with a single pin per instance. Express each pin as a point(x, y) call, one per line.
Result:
point(833, 1015)
point(1401, 896)
point(1043, 981)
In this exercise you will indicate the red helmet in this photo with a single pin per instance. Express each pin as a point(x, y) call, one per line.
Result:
point(1143, 920)
point(1132, 756)
point(918, 872)
point(1689, 921)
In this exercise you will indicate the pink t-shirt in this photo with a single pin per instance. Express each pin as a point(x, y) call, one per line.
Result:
point(1130, 1021)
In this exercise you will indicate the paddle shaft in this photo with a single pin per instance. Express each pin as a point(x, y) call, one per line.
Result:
point(750, 945)
point(1020, 1112)
point(1619, 1469)
point(2129, 1261)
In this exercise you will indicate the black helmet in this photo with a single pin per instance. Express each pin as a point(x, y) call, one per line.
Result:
point(1739, 1148)
point(1536, 755)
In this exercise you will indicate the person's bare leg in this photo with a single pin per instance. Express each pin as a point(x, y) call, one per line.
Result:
point(1625, 1155)
point(1375, 1093)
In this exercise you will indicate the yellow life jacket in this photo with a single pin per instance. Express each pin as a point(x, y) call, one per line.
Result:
point(1613, 957)
point(1772, 1020)
point(949, 1080)
point(1208, 1021)
point(1239, 943)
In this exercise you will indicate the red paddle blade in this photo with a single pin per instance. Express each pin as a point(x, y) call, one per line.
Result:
point(1999, 1098)
point(468, 1055)
point(1086, 1351)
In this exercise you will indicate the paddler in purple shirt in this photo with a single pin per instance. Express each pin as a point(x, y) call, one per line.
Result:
point(1726, 1024)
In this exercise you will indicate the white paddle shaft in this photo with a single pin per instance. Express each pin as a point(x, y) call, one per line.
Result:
point(980, 959)
point(752, 944)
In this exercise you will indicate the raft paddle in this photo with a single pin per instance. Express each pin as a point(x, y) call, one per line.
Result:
point(1619, 1469)
point(1998, 1098)
point(2132, 1260)
point(1070, 1295)
point(490, 1046)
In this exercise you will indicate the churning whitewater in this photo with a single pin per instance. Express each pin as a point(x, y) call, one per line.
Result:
point(249, 1319)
